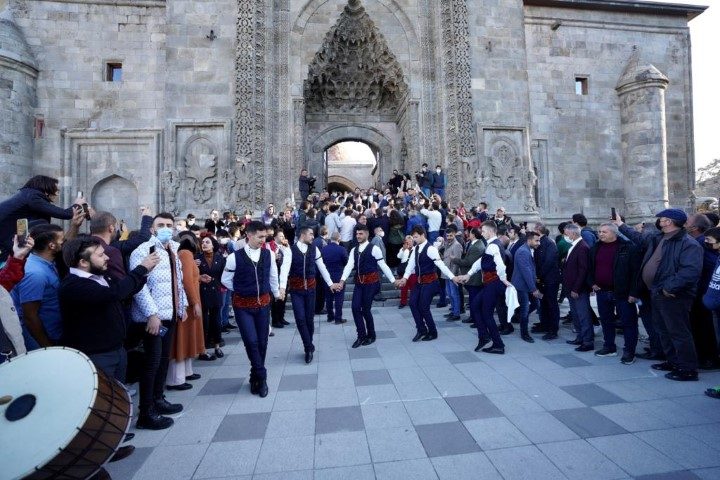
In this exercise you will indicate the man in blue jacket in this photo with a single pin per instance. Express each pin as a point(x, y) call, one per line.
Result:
point(524, 279)
point(335, 257)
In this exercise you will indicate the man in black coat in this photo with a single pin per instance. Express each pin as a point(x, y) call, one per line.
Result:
point(547, 265)
point(306, 184)
point(91, 303)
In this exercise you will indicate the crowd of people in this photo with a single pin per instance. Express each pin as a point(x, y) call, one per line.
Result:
point(145, 304)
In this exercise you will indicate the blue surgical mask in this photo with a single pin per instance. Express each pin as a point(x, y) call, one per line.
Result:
point(164, 235)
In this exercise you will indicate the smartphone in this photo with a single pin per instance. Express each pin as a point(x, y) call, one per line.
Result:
point(85, 207)
point(163, 330)
point(152, 249)
point(21, 227)
point(613, 213)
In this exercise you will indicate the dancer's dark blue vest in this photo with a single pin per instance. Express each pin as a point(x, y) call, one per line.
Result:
point(487, 263)
point(423, 263)
point(303, 266)
point(245, 282)
point(365, 262)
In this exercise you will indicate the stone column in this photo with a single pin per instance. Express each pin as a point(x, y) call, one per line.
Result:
point(644, 139)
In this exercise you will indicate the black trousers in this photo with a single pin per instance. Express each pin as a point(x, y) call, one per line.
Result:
point(319, 294)
point(703, 331)
point(211, 326)
point(277, 311)
point(671, 318)
point(155, 366)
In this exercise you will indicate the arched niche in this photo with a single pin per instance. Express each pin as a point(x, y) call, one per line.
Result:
point(337, 182)
point(119, 196)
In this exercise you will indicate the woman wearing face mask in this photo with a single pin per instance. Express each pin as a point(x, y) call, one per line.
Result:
point(211, 264)
point(711, 299)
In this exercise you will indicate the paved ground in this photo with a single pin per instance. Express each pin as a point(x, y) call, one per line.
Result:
point(403, 410)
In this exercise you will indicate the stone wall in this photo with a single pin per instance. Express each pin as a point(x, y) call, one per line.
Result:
point(583, 131)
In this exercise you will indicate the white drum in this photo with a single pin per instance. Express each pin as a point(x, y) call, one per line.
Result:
point(60, 417)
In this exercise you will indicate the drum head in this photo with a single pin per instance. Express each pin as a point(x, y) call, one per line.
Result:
point(52, 391)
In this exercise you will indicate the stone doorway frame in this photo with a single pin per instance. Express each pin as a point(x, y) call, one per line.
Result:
point(388, 154)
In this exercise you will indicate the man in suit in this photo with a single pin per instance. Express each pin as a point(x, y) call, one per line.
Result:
point(548, 272)
point(524, 280)
point(474, 249)
point(575, 280)
point(335, 259)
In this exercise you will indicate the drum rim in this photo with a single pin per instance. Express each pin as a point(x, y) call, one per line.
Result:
point(88, 410)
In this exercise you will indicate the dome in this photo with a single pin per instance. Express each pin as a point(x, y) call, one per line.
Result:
point(12, 42)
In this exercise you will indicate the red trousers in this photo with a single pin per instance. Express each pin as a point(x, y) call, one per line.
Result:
point(405, 291)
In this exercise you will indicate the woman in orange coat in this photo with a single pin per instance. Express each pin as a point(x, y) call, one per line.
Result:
point(189, 341)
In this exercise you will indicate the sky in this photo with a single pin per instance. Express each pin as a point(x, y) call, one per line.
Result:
point(705, 39)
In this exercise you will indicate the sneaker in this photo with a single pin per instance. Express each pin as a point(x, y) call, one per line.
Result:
point(605, 352)
point(628, 359)
point(713, 392)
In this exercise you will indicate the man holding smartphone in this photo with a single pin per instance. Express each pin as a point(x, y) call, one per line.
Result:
point(159, 304)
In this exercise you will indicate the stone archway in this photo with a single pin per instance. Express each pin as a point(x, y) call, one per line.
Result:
point(388, 148)
point(336, 182)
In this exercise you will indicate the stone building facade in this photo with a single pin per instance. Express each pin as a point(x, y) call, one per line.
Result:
point(546, 107)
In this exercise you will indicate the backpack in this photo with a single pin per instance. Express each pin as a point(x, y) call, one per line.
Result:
point(396, 237)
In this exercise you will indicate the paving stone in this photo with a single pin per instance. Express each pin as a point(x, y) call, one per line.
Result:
point(632, 417)
point(242, 427)
point(377, 394)
point(366, 378)
point(172, 462)
point(359, 472)
point(286, 454)
point(385, 415)
point(523, 463)
point(472, 407)
point(578, 460)
point(363, 353)
point(682, 448)
point(296, 423)
point(130, 465)
point(633, 455)
point(494, 433)
point(424, 412)
point(542, 427)
point(229, 458)
point(592, 395)
point(298, 382)
point(514, 403)
point(385, 334)
point(681, 475)
point(222, 386)
point(443, 439)
point(415, 469)
point(586, 422)
point(470, 465)
point(568, 360)
point(462, 357)
point(338, 419)
point(295, 400)
point(394, 443)
point(190, 429)
point(341, 449)
point(343, 397)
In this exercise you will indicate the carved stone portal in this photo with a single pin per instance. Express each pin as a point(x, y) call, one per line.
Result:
point(354, 72)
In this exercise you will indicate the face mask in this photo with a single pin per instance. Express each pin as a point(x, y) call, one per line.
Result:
point(438, 170)
point(380, 234)
point(567, 239)
point(164, 234)
point(224, 241)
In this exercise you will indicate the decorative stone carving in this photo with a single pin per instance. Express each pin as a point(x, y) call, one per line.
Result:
point(461, 140)
point(170, 182)
point(354, 72)
point(504, 164)
point(200, 168)
point(250, 90)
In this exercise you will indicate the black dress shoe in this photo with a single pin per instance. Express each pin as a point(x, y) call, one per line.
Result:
point(494, 349)
point(481, 343)
point(278, 325)
point(271, 334)
point(371, 339)
point(366, 341)
point(308, 357)
point(219, 353)
point(285, 322)
point(527, 338)
point(682, 375)
point(585, 348)
point(507, 329)
point(330, 320)
point(122, 452)
point(222, 343)
point(467, 320)
point(254, 385)
point(664, 366)
point(539, 329)
point(357, 342)
point(418, 336)
point(163, 407)
point(340, 322)
point(401, 306)
point(550, 336)
point(206, 358)
point(453, 318)
point(182, 386)
point(194, 376)
point(651, 356)
point(153, 422)
point(128, 437)
point(573, 342)
point(262, 389)
point(429, 337)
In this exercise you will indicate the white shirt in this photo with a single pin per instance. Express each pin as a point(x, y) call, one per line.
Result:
point(376, 252)
point(254, 254)
point(303, 247)
point(347, 225)
point(575, 242)
point(404, 255)
point(493, 250)
point(434, 219)
point(434, 255)
point(95, 278)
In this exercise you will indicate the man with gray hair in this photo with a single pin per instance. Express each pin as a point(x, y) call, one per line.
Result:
point(574, 278)
point(613, 266)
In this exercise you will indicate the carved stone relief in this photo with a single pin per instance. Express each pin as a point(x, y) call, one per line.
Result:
point(200, 168)
point(354, 72)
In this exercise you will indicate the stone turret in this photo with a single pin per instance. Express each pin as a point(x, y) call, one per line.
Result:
point(18, 75)
point(641, 89)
